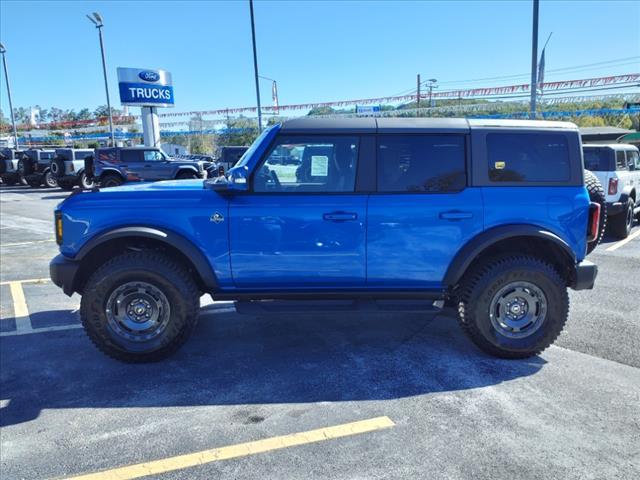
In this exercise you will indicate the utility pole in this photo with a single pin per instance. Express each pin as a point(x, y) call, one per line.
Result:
point(255, 65)
point(97, 21)
point(418, 98)
point(3, 51)
point(534, 59)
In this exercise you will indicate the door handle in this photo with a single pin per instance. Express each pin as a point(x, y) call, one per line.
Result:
point(455, 215)
point(340, 216)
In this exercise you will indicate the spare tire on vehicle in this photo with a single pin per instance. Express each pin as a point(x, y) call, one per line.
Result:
point(26, 166)
point(57, 167)
point(597, 195)
point(88, 167)
point(3, 165)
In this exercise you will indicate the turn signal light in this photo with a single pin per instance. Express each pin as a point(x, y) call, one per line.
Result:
point(613, 186)
point(594, 221)
point(58, 217)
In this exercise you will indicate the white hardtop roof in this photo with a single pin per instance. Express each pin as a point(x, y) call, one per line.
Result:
point(498, 123)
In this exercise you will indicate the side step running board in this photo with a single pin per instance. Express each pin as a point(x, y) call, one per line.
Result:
point(256, 307)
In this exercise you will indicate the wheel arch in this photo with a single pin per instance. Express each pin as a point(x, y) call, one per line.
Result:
point(514, 239)
point(108, 170)
point(185, 168)
point(138, 237)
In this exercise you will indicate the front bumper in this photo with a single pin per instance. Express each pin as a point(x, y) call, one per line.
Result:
point(63, 272)
point(585, 278)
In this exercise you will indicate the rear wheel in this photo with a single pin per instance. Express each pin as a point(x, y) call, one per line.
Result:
point(513, 306)
point(621, 224)
point(34, 181)
point(49, 180)
point(110, 180)
point(140, 307)
point(597, 195)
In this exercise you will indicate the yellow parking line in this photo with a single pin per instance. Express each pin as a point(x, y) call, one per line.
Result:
point(619, 244)
point(239, 450)
point(21, 312)
point(30, 280)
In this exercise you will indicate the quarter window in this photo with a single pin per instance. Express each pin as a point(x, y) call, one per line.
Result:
point(621, 162)
point(528, 157)
point(309, 164)
point(421, 163)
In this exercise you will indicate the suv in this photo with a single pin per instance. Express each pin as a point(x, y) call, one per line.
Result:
point(114, 166)
point(617, 166)
point(9, 171)
point(35, 167)
point(68, 168)
point(490, 216)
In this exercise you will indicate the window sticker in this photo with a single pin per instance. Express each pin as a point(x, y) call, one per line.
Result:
point(500, 165)
point(319, 165)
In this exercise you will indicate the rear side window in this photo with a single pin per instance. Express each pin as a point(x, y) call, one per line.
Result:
point(128, 156)
point(421, 163)
point(634, 159)
point(621, 161)
point(597, 159)
point(528, 157)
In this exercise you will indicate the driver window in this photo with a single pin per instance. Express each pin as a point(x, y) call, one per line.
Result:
point(309, 164)
point(152, 156)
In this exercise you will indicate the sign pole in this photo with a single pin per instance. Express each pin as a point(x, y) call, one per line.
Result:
point(106, 86)
point(534, 59)
point(255, 65)
point(13, 117)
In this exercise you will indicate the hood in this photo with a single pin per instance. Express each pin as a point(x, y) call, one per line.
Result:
point(173, 185)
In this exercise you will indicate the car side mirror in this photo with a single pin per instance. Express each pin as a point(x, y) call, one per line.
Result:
point(234, 182)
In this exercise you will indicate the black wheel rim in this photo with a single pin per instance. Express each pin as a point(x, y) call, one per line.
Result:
point(518, 309)
point(138, 311)
point(50, 180)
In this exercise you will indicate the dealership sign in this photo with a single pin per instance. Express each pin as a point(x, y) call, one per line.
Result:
point(145, 87)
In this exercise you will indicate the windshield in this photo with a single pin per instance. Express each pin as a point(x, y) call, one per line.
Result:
point(247, 155)
point(597, 159)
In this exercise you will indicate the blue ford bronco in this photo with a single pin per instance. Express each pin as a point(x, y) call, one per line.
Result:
point(490, 217)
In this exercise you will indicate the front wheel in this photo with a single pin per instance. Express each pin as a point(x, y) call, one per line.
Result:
point(34, 181)
point(140, 306)
point(513, 306)
point(110, 180)
point(49, 180)
point(86, 182)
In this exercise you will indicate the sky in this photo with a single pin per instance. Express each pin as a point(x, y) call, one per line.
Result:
point(317, 51)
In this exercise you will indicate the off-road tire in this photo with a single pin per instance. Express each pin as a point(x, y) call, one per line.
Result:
point(597, 195)
point(49, 180)
point(486, 279)
point(153, 268)
point(186, 175)
point(85, 183)
point(621, 224)
point(111, 180)
point(66, 184)
point(25, 166)
point(57, 167)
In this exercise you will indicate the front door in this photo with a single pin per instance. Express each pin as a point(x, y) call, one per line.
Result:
point(302, 226)
point(132, 162)
point(422, 213)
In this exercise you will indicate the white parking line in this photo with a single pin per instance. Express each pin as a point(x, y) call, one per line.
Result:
point(42, 330)
point(20, 244)
point(29, 280)
point(21, 312)
point(619, 244)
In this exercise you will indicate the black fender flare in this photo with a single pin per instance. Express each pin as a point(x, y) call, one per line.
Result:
point(474, 247)
point(186, 247)
point(106, 170)
point(626, 193)
point(183, 168)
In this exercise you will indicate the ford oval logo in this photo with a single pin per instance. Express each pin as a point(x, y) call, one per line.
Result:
point(149, 76)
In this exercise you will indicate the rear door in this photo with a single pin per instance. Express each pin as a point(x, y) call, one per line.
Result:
point(422, 213)
point(303, 225)
point(156, 166)
point(132, 163)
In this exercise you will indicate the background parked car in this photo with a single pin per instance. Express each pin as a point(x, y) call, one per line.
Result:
point(114, 166)
point(617, 166)
point(9, 172)
point(227, 157)
point(35, 167)
point(68, 168)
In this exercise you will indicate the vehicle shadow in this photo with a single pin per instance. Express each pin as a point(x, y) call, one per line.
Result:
point(236, 359)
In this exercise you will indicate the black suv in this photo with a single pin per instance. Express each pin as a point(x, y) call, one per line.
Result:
point(35, 167)
point(114, 166)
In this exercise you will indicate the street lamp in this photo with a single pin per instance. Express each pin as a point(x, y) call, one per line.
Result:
point(96, 19)
point(255, 64)
point(274, 92)
point(431, 84)
point(3, 51)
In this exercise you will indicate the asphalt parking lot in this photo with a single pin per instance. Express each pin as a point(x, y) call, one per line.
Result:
point(400, 395)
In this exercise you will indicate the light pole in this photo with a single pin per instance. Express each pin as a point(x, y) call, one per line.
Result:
point(96, 19)
point(3, 51)
point(534, 59)
point(274, 92)
point(431, 84)
point(255, 64)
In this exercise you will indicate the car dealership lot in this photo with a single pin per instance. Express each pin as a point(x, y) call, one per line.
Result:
point(431, 403)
